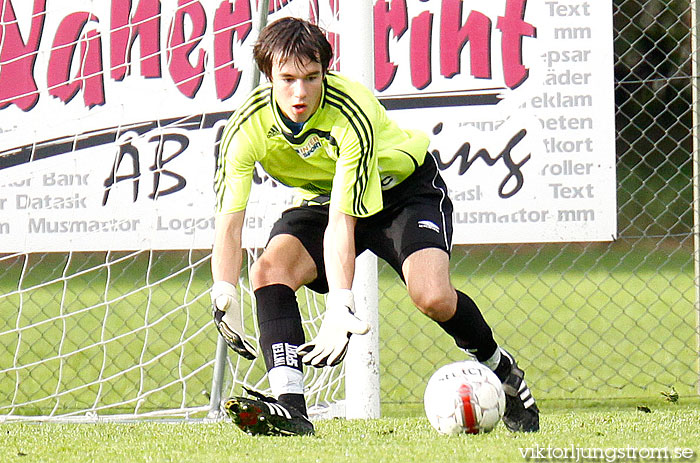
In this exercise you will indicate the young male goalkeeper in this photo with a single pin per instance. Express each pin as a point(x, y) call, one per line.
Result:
point(362, 183)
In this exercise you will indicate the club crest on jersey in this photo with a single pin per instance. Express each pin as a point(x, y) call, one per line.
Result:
point(312, 144)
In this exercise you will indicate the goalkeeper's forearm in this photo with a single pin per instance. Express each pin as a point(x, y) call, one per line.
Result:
point(339, 250)
point(227, 255)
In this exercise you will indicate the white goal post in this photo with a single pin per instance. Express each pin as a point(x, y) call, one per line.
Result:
point(362, 389)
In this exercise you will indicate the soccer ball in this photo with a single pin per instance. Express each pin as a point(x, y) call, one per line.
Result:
point(464, 397)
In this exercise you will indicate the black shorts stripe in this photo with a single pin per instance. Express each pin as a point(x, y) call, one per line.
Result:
point(440, 186)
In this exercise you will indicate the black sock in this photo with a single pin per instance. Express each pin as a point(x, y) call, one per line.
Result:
point(295, 401)
point(279, 321)
point(469, 329)
point(504, 366)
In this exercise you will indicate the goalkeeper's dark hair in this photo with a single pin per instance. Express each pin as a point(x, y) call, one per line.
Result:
point(291, 39)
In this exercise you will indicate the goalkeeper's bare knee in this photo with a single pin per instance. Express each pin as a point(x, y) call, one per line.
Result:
point(438, 304)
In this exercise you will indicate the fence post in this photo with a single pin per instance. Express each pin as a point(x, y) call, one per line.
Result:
point(695, 84)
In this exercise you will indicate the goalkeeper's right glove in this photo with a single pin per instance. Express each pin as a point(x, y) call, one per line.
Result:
point(227, 318)
point(330, 345)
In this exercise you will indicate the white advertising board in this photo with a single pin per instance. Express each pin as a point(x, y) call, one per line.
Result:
point(110, 113)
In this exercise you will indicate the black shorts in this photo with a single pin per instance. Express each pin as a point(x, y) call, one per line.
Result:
point(417, 214)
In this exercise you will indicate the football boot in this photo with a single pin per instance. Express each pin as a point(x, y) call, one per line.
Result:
point(265, 416)
point(521, 412)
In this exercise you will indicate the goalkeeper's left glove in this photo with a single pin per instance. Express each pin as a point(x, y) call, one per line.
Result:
point(227, 317)
point(330, 345)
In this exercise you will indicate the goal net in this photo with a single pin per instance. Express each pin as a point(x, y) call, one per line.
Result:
point(111, 112)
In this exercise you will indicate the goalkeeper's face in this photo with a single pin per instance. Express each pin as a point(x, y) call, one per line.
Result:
point(297, 87)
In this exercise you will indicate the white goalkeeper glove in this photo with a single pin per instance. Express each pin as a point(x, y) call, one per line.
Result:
point(227, 318)
point(330, 345)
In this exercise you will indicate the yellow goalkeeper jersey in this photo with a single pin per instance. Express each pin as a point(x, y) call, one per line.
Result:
point(348, 150)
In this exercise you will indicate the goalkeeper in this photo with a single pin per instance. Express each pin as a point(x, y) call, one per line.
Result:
point(362, 183)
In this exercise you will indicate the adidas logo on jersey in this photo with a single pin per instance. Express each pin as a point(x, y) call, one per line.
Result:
point(273, 131)
point(429, 225)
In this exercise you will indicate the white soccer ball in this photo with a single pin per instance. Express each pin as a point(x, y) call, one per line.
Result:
point(464, 397)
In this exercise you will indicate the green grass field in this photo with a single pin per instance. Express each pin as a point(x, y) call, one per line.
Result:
point(601, 331)
point(608, 431)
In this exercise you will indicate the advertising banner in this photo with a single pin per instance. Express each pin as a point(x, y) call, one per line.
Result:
point(110, 114)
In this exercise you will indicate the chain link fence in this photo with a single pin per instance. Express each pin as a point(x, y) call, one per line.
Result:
point(585, 320)
point(603, 320)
